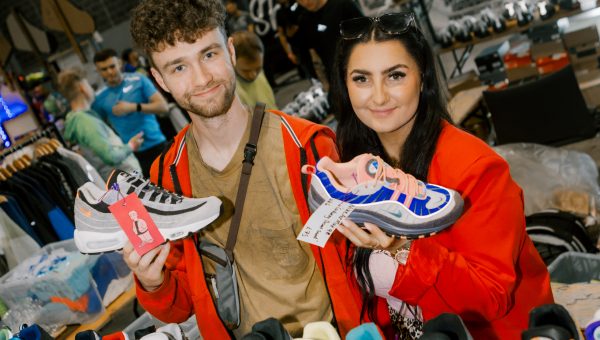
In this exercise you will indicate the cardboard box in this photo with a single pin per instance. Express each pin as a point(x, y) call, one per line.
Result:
point(589, 83)
point(585, 56)
point(592, 96)
point(465, 81)
point(547, 49)
point(551, 64)
point(490, 63)
point(516, 74)
point(580, 37)
point(585, 66)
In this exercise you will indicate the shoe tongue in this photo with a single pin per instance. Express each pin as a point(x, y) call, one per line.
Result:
point(117, 176)
point(367, 166)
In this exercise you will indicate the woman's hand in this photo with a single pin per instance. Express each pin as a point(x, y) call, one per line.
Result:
point(371, 236)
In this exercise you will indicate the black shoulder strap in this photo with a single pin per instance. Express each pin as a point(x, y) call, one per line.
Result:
point(161, 162)
point(304, 161)
point(249, 154)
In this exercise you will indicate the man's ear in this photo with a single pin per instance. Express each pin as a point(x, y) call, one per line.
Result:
point(159, 79)
point(231, 49)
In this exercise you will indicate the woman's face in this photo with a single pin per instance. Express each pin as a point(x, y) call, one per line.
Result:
point(384, 85)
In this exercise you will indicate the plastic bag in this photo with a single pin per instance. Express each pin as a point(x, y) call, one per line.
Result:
point(553, 178)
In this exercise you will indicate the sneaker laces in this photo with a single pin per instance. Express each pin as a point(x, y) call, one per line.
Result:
point(400, 181)
point(147, 186)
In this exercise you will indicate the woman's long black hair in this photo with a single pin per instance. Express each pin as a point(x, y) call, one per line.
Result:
point(355, 138)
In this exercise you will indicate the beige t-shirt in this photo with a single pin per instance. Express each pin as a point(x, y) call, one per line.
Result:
point(277, 274)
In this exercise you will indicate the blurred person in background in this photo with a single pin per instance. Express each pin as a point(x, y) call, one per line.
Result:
point(130, 103)
point(99, 143)
point(251, 84)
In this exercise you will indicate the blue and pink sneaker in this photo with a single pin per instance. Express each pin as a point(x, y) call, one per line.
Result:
point(389, 198)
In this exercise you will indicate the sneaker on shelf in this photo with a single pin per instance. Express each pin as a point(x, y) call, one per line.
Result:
point(97, 230)
point(389, 198)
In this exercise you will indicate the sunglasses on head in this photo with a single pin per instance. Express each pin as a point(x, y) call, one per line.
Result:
point(391, 23)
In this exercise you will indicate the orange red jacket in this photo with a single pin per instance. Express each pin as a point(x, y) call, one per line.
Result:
point(184, 291)
point(485, 267)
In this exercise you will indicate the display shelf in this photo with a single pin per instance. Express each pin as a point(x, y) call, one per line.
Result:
point(460, 58)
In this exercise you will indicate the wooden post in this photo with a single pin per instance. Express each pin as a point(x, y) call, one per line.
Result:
point(67, 28)
point(30, 40)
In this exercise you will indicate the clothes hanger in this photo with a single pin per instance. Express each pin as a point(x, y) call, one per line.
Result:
point(5, 172)
point(10, 168)
point(18, 164)
point(55, 142)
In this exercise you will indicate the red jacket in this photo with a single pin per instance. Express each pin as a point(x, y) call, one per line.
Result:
point(485, 268)
point(184, 291)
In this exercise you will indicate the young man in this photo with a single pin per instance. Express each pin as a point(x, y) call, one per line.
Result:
point(129, 103)
point(100, 144)
point(251, 84)
point(277, 275)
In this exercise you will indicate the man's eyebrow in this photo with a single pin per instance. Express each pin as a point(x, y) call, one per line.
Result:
point(180, 59)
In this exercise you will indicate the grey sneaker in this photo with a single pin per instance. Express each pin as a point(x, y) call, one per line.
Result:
point(97, 230)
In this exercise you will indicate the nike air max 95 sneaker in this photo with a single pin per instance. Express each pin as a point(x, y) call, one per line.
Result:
point(389, 198)
point(97, 230)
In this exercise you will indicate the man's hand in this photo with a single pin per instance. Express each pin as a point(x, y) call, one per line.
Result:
point(148, 268)
point(122, 108)
point(292, 57)
point(136, 141)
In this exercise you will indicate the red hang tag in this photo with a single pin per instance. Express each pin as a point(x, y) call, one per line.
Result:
point(137, 224)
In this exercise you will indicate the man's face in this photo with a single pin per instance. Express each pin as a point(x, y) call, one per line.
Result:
point(110, 71)
point(249, 69)
point(312, 5)
point(199, 75)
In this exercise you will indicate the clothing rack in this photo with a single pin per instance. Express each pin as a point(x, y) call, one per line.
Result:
point(49, 131)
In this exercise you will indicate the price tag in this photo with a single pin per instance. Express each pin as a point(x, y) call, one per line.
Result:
point(137, 224)
point(323, 222)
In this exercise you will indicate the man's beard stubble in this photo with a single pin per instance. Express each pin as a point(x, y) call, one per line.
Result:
point(215, 108)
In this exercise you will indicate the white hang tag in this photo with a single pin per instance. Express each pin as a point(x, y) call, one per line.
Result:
point(323, 221)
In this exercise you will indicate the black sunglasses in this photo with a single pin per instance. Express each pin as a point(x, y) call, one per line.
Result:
point(391, 23)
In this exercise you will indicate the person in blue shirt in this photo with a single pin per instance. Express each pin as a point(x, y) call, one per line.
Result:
point(129, 103)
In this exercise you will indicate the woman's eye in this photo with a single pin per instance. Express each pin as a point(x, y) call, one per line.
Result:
point(397, 75)
point(359, 79)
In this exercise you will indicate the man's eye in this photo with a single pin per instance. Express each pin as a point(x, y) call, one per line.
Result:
point(178, 68)
point(209, 55)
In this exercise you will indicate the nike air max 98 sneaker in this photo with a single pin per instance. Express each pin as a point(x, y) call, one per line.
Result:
point(389, 198)
point(97, 230)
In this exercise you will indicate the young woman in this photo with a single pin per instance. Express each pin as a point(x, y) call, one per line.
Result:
point(483, 268)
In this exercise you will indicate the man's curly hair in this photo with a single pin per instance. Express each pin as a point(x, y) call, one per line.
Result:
point(156, 24)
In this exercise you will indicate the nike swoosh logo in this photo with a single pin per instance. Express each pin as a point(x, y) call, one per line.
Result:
point(85, 212)
point(396, 214)
point(127, 88)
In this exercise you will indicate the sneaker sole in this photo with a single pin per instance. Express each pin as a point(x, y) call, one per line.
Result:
point(368, 213)
point(107, 242)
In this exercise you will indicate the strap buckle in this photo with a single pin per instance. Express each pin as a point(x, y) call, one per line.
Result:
point(249, 153)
